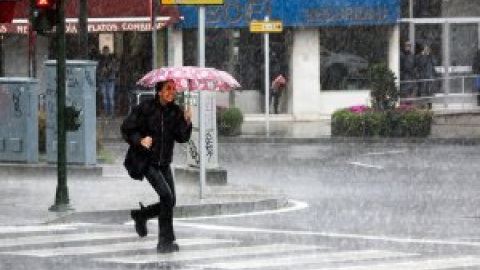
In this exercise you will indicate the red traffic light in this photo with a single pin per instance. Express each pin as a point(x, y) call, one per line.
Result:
point(44, 3)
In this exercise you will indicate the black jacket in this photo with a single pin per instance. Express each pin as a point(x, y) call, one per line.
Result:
point(476, 63)
point(165, 124)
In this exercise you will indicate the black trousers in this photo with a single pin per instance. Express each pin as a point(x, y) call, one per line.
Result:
point(275, 97)
point(161, 179)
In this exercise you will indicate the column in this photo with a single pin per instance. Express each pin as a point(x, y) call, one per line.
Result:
point(175, 47)
point(394, 51)
point(304, 81)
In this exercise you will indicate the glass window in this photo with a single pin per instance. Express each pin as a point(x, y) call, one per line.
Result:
point(347, 52)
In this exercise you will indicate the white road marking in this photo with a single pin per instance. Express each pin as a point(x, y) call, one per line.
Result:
point(295, 206)
point(111, 248)
point(386, 152)
point(59, 238)
point(366, 165)
point(210, 254)
point(36, 228)
point(333, 235)
point(316, 258)
point(431, 264)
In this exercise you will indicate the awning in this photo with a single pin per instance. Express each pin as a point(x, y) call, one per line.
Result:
point(6, 11)
point(295, 13)
point(103, 16)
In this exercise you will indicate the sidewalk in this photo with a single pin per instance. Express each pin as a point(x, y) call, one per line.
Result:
point(25, 200)
point(105, 193)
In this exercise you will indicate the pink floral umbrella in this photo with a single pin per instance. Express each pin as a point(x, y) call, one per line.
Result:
point(191, 78)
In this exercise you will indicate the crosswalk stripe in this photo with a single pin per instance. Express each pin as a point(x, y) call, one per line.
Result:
point(307, 259)
point(39, 228)
point(211, 253)
point(111, 248)
point(59, 238)
point(430, 264)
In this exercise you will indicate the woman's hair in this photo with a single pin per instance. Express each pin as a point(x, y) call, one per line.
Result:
point(159, 86)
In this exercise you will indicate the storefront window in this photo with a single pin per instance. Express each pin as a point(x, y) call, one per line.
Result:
point(239, 52)
point(346, 54)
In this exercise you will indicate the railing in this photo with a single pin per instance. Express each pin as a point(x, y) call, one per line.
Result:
point(461, 93)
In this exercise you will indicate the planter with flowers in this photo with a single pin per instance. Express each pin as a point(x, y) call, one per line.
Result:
point(384, 118)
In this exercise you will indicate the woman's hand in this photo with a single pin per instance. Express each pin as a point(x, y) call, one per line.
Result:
point(146, 142)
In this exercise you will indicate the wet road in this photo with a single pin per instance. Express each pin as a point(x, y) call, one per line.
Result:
point(356, 207)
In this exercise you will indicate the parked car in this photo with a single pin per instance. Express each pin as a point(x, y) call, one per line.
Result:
point(337, 68)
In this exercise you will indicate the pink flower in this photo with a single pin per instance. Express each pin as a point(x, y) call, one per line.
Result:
point(359, 109)
point(404, 107)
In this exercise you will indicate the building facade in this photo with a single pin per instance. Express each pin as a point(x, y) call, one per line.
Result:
point(324, 50)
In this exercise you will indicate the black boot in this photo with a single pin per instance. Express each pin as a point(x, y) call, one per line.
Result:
point(140, 220)
point(141, 216)
point(167, 247)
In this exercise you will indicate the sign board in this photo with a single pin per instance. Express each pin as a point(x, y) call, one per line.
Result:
point(266, 26)
point(21, 27)
point(295, 13)
point(191, 2)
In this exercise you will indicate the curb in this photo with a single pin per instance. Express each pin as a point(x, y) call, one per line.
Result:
point(363, 140)
point(37, 170)
point(181, 211)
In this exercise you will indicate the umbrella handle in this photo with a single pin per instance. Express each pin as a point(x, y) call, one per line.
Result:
point(186, 100)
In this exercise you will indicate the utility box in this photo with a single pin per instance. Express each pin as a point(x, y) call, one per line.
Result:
point(215, 175)
point(211, 144)
point(19, 119)
point(80, 94)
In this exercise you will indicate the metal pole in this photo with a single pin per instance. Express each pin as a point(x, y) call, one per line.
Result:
point(83, 29)
point(2, 57)
point(446, 61)
point(201, 107)
point(31, 42)
point(61, 198)
point(411, 26)
point(154, 33)
point(267, 80)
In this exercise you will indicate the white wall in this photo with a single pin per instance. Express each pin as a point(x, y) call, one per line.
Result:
point(333, 100)
point(248, 101)
point(304, 88)
point(175, 47)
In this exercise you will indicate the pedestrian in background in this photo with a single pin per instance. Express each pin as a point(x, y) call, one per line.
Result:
point(476, 71)
point(408, 73)
point(426, 69)
point(278, 86)
point(108, 68)
point(151, 130)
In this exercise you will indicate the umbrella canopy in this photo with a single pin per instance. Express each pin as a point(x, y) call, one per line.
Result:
point(279, 81)
point(191, 78)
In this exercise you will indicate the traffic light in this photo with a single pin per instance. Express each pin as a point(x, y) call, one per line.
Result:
point(44, 16)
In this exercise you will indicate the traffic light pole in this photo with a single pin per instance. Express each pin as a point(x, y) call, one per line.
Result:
point(31, 43)
point(62, 201)
point(83, 29)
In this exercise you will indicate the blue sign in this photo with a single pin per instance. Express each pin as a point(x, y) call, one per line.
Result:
point(295, 13)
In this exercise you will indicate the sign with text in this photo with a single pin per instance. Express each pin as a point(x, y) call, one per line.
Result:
point(295, 13)
point(93, 27)
point(266, 27)
point(191, 2)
